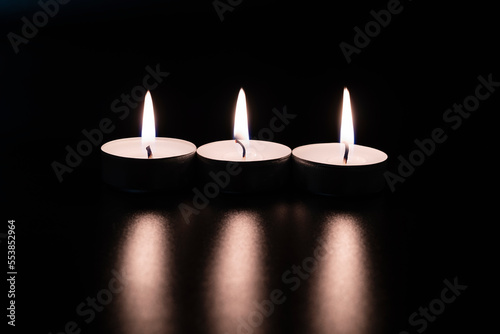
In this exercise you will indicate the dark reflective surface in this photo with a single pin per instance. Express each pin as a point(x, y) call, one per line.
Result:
point(291, 263)
point(278, 263)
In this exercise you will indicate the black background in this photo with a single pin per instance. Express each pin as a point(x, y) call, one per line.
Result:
point(433, 227)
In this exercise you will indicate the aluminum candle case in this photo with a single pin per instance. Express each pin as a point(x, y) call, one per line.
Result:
point(340, 169)
point(148, 163)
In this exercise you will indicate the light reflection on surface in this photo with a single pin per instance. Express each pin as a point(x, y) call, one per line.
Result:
point(341, 295)
point(235, 275)
point(146, 301)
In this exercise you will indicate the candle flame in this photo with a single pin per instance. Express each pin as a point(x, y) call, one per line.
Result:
point(346, 127)
point(241, 118)
point(148, 134)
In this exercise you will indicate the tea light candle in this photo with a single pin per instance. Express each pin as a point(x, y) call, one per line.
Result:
point(340, 169)
point(148, 163)
point(243, 165)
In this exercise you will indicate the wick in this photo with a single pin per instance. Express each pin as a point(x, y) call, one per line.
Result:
point(150, 153)
point(242, 146)
point(346, 152)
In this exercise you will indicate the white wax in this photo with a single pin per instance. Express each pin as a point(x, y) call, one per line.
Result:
point(256, 150)
point(333, 154)
point(162, 148)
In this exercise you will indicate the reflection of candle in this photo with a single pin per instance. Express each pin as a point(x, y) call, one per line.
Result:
point(147, 163)
point(263, 164)
point(340, 168)
point(145, 257)
point(237, 260)
point(342, 273)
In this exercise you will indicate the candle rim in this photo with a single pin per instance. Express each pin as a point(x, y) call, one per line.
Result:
point(287, 155)
point(160, 139)
point(383, 156)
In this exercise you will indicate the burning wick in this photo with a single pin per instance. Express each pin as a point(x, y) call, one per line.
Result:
point(150, 153)
point(242, 146)
point(346, 152)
